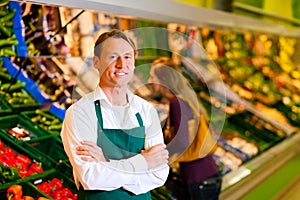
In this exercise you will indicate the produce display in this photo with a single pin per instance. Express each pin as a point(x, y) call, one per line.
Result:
point(19, 129)
point(20, 133)
point(14, 93)
point(23, 192)
point(235, 149)
point(4, 79)
point(258, 67)
point(227, 158)
point(17, 95)
point(25, 166)
point(248, 148)
point(8, 39)
point(55, 188)
point(8, 173)
point(47, 74)
point(244, 135)
point(161, 193)
point(40, 23)
point(45, 120)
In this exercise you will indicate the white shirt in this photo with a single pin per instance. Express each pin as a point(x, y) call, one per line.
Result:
point(80, 124)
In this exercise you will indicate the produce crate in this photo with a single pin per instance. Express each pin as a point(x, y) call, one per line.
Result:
point(287, 111)
point(233, 141)
point(46, 164)
point(19, 29)
point(264, 135)
point(9, 122)
point(53, 181)
point(30, 85)
point(50, 147)
point(66, 167)
point(27, 190)
point(4, 108)
point(8, 37)
point(57, 110)
point(18, 106)
point(44, 120)
point(40, 142)
point(161, 193)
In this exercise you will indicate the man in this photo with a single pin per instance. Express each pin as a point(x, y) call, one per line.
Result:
point(112, 137)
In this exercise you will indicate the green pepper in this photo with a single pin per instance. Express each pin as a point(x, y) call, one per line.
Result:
point(4, 2)
point(40, 112)
point(8, 23)
point(1, 62)
point(55, 127)
point(10, 173)
point(4, 42)
point(5, 30)
point(14, 87)
point(9, 16)
point(3, 12)
point(7, 52)
point(9, 41)
point(5, 76)
point(36, 118)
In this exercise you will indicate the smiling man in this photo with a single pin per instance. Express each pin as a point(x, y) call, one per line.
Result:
point(112, 137)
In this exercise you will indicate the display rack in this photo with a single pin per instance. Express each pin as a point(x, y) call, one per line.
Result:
point(240, 181)
point(170, 11)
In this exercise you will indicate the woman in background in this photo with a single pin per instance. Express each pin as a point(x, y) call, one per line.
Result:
point(200, 177)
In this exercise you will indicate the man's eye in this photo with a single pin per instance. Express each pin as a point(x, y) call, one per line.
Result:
point(114, 57)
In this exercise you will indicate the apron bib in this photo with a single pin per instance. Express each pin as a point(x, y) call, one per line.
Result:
point(117, 144)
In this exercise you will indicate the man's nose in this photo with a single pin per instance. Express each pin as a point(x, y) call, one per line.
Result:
point(119, 63)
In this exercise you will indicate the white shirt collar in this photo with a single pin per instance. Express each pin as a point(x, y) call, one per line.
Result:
point(100, 95)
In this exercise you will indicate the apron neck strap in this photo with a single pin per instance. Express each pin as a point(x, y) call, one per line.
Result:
point(139, 118)
point(99, 115)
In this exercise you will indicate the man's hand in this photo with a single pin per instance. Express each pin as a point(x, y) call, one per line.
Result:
point(156, 155)
point(90, 152)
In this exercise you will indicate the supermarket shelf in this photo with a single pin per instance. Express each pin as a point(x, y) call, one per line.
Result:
point(257, 170)
point(260, 11)
point(169, 11)
point(238, 182)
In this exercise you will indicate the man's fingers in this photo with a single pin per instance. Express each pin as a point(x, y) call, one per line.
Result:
point(158, 147)
point(88, 143)
point(89, 159)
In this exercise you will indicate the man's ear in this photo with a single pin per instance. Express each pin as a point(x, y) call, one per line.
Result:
point(96, 62)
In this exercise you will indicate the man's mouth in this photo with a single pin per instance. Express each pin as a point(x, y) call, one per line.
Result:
point(120, 73)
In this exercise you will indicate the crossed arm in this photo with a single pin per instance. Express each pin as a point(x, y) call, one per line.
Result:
point(155, 156)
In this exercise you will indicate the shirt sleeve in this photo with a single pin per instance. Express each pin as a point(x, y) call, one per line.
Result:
point(91, 175)
point(127, 173)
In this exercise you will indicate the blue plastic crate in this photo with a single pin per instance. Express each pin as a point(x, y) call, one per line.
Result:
point(57, 110)
point(30, 86)
point(19, 29)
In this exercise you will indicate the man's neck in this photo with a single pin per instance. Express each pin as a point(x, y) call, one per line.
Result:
point(117, 96)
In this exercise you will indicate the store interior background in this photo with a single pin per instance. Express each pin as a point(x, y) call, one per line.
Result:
point(261, 114)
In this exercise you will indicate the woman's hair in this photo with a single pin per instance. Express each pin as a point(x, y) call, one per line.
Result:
point(111, 34)
point(165, 71)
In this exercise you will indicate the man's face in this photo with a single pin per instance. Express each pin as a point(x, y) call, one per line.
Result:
point(116, 62)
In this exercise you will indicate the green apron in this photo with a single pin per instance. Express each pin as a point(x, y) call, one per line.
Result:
point(117, 144)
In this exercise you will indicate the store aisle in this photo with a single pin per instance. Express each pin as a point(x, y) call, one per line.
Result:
point(291, 191)
point(284, 184)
